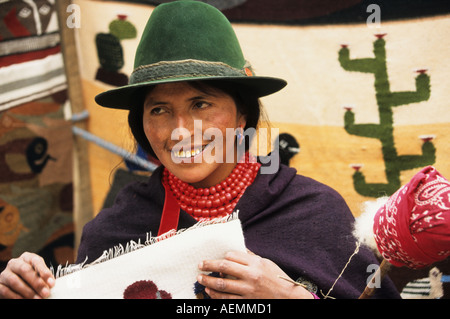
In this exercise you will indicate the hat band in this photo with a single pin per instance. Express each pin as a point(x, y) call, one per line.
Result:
point(183, 69)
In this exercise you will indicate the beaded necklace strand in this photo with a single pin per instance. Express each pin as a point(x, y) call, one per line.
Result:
point(216, 201)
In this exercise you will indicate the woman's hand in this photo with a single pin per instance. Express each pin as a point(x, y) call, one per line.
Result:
point(250, 277)
point(26, 277)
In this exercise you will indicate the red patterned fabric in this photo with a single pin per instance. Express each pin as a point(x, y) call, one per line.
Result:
point(413, 228)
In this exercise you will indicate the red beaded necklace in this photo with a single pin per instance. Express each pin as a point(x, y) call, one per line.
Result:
point(215, 201)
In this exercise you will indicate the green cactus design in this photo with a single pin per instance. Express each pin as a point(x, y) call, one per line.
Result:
point(110, 52)
point(122, 29)
point(384, 130)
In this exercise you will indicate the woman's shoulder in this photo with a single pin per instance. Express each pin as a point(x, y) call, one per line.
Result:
point(291, 193)
point(289, 181)
point(133, 198)
point(311, 185)
point(322, 197)
point(135, 211)
point(284, 176)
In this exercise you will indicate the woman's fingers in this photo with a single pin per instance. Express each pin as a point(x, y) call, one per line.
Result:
point(26, 277)
point(222, 288)
point(247, 276)
point(236, 268)
point(13, 286)
point(223, 266)
point(41, 269)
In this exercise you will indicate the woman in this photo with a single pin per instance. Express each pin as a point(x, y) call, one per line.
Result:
point(191, 80)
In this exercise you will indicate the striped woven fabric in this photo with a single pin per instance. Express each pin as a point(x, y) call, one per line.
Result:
point(425, 288)
point(31, 62)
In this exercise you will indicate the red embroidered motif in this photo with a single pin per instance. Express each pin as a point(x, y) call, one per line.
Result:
point(413, 228)
point(145, 289)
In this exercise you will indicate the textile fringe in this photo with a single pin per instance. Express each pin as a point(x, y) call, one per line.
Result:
point(132, 245)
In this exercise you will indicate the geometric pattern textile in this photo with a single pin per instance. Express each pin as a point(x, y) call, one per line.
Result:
point(31, 62)
point(35, 140)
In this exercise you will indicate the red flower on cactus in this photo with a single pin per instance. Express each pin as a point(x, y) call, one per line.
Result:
point(421, 71)
point(356, 167)
point(426, 138)
point(348, 107)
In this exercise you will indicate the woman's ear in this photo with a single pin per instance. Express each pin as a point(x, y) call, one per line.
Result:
point(242, 120)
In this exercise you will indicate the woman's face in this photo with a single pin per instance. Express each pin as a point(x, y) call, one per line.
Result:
point(187, 130)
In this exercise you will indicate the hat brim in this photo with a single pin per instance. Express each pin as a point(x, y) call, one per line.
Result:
point(126, 97)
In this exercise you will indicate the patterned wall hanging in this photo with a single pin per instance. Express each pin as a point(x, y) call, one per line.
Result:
point(36, 200)
point(31, 63)
point(384, 130)
point(317, 105)
point(301, 42)
point(318, 12)
point(110, 52)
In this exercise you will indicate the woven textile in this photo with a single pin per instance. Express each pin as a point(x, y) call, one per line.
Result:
point(165, 269)
point(31, 63)
point(330, 105)
point(36, 194)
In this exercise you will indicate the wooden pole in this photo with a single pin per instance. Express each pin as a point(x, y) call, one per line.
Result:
point(381, 272)
point(83, 208)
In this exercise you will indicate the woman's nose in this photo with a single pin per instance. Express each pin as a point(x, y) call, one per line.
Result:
point(186, 126)
point(184, 121)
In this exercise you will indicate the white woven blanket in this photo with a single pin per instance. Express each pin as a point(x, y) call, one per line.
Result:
point(161, 269)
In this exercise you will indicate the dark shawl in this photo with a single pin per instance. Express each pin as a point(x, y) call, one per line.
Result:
point(298, 223)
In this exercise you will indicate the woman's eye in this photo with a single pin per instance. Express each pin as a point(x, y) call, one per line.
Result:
point(201, 105)
point(157, 111)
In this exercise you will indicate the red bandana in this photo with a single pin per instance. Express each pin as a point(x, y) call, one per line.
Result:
point(413, 228)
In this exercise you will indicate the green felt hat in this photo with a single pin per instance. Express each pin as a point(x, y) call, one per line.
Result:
point(187, 41)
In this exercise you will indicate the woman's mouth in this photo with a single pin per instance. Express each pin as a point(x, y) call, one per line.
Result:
point(190, 153)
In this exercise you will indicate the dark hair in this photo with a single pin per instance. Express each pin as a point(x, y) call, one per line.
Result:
point(247, 104)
